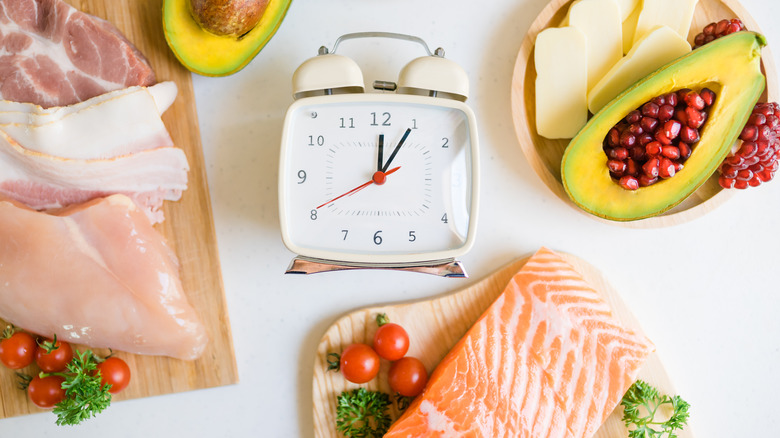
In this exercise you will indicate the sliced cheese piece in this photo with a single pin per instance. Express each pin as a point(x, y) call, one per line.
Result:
point(653, 51)
point(627, 7)
point(676, 14)
point(560, 56)
point(600, 21)
point(565, 21)
point(629, 27)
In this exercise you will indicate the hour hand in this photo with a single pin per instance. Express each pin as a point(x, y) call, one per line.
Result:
point(379, 156)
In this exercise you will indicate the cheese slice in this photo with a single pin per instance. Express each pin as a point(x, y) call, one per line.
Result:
point(600, 21)
point(560, 56)
point(629, 28)
point(676, 14)
point(654, 50)
point(627, 7)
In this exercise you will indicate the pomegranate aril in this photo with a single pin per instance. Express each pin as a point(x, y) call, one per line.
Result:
point(744, 175)
point(616, 166)
point(672, 152)
point(693, 118)
point(627, 139)
point(613, 137)
point(666, 168)
point(740, 184)
point(665, 112)
point(633, 116)
point(632, 168)
point(653, 148)
point(748, 149)
point(645, 180)
point(721, 27)
point(757, 119)
point(650, 109)
point(708, 96)
point(725, 182)
point(637, 153)
point(678, 166)
point(635, 129)
point(685, 150)
point(755, 181)
point(629, 182)
point(728, 171)
point(648, 123)
point(618, 153)
point(671, 129)
point(694, 100)
point(659, 100)
point(645, 139)
point(689, 135)
point(650, 168)
point(671, 99)
point(749, 133)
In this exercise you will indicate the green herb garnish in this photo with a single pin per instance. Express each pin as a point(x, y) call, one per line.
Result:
point(362, 413)
point(642, 403)
point(85, 396)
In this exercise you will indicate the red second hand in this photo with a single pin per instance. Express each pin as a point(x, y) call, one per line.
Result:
point(378, 178)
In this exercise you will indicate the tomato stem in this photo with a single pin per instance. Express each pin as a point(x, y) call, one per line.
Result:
point(334, 361)
point(382, 319)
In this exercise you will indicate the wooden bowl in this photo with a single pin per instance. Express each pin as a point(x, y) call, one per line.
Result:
point(545, 155)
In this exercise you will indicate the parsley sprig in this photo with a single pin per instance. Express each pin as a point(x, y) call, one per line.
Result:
point(362, 413)
point(642, 402)
point(85, 396)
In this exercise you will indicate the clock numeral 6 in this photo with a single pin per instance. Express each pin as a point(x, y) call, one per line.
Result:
point(301, 176)
point(378, 238)
point(319, 139)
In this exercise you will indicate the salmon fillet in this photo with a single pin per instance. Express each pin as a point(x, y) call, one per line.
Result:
point(547, 359)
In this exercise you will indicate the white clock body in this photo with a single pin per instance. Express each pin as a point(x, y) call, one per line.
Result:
point(425, 209)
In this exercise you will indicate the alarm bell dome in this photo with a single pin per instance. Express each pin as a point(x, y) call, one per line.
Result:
point(434, 76)
point(327, 73)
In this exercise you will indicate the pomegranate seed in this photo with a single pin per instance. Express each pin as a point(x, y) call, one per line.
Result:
point(659, 100)
point(637, 153)
point(666, 168)
point(744, 175)
point(755, 181)
point(661, 137)
point(618, 153)
point(665, 112)
point(728, 171)
point(750, 161)
point(734, 160)
point(650, 109)
point(681, 116)
point(714, 31)
point(757, 119)
point(653, 148)
point(749, 133)
point(693, 99)
point(689, 135)
point(629, 182)
point(636, 129)
point(671, 99)
point(613, 137)
point(670, 152)
point(627, 139)
point(645, 139)
point(764, 133)
point(693, 118)
point(645, 180)
point(634, 116)
point(740, 184)
point(678, 166)
point(648, 123)
point(708, 96)
point(685, 150)
point(631, 167)
point(726, 183)
point(650, 168)
point(672, 129)
point(765, 175)
point(748, 149)
point(721, 27)
point(617, 167)
point(681, 93)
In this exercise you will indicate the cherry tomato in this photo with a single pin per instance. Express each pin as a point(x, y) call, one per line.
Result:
point(18, 351)
point(115, 372)
point(57, 359)
point(46, 392)
point(407, 376)
point(359, 363)
point(391, 341)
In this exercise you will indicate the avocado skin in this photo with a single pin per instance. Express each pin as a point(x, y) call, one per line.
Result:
point(207, 54)
point(730, 66)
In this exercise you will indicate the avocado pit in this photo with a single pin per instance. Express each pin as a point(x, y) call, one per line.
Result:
point(227, 17)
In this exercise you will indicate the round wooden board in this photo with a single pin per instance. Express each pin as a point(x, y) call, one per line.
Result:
point(545, 155)
point(435, 325)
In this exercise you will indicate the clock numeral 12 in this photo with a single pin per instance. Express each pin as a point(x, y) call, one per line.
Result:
point(386, 122)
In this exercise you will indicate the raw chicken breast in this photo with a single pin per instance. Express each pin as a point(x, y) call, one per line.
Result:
point(97, 274)
point(547, 359)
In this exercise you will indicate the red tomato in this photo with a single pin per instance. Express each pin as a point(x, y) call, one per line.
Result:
point(56, 360)
point(407, 376)
point(115, 372)
point(18, 351)
point(46, 392)
point(359, 363)
point(391, 341)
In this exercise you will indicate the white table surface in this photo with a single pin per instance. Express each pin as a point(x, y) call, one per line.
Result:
point(706, 292)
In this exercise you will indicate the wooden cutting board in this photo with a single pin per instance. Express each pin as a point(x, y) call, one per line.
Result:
point(188, 228)
point(435, 325)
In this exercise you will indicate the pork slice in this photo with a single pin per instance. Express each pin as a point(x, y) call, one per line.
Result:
point(52, 54)
point(43, 181)
point(110, 280)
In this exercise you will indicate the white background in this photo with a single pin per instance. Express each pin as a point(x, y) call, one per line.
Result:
point(706, 292)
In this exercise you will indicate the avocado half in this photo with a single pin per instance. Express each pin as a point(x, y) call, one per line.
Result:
point(208, 54)
point(731, 67)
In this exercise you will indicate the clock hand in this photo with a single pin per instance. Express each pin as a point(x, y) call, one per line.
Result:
point(395, 151)
point(381, 147)
point(378, 178)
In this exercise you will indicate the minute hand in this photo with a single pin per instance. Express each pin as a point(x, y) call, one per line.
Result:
point(395, 151)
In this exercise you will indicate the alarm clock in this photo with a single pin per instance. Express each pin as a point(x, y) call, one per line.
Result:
point(387, 179)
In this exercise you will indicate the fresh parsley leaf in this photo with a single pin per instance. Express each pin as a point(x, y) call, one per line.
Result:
point(362, 413)
point(642, 403)
point(85, 396)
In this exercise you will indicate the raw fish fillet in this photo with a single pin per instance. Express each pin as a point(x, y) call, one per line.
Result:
point(547, 359)
point(52, 54)
point(97, 274)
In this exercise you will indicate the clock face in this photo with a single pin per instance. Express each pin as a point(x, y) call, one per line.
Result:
point(378, 178)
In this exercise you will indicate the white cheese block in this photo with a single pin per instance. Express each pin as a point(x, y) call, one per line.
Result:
point(676, 14)
point(600, 21)
point(629, 27)
point(561, 82)
point(656, 49)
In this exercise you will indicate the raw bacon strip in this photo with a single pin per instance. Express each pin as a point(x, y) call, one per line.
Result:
point(98, 274)
point(106, 128)
point(51, 54)
point(43, 181)
point(547, 359)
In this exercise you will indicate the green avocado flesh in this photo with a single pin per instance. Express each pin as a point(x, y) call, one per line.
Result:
point(731, 67)
point(212, 55)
